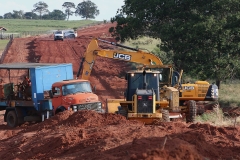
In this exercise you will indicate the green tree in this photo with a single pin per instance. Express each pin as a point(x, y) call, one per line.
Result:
point(55, 15)
point(8, 15)
point(202, 35)
point(68, 6)
point(87, 9)
point(30, 15)
point(18, 14)
point(1, 17)
point(41, 8)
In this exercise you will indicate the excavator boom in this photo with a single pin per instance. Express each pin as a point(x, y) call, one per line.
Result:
point(93, 50)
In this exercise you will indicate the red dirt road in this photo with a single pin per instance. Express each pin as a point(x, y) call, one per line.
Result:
point(89, 135)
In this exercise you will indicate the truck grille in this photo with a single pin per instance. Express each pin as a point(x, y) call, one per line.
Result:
point(88, 106)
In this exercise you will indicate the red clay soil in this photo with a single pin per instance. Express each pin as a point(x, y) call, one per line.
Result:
point(90, 135)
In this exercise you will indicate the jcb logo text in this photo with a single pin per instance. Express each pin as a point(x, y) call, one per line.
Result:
point(122, 56)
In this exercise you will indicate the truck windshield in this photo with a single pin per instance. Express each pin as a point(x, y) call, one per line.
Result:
point(74, 88)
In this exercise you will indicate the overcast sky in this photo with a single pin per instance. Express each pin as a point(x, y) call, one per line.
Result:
point(107, 8)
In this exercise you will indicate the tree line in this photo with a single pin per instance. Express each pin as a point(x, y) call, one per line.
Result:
point(85, 9)
point(200, 37)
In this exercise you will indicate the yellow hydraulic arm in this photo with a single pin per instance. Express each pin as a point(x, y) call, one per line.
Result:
point(93, 51)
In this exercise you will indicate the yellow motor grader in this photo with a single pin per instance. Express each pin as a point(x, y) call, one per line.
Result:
point(154, 91)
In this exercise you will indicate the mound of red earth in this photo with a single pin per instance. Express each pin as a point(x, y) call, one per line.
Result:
point(90, 135)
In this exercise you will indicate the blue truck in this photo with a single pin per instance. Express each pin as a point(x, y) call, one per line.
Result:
point(51, 90)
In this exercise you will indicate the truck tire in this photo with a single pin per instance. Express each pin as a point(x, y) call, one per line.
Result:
point(165, 115)
point(60, 109)
point(192, 111)
point(12, 120)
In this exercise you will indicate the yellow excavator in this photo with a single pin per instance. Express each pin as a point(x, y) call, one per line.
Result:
point(154, 91)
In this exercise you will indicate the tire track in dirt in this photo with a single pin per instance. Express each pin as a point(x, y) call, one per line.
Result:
point(46, 49)
point(75, 57)
point(61, 52)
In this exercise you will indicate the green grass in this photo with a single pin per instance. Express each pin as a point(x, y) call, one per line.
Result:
point(229, 94)
point(217, 118)
point(3, 44)
point(23, 25)
point(144, 43)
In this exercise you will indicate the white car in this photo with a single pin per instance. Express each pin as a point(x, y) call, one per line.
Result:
point(58, 35)
point(70, 34)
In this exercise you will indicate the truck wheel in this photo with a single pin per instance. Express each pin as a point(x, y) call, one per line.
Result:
point(165, 115)
point(12, 120)
point(192, 111)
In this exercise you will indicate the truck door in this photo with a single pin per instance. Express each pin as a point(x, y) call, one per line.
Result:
point(57, 98)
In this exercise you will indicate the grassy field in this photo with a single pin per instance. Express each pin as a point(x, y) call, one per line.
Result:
point(3, 44)
point(145, 43)
point(23, 25)
point(229, 94)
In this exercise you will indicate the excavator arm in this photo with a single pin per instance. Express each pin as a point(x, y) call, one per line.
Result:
point(137, 56)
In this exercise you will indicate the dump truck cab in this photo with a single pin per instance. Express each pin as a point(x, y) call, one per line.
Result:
point(75, 95)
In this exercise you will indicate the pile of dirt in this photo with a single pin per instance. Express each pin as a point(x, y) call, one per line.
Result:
point(91, 135)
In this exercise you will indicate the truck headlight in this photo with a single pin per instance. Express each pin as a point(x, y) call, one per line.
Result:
point(99, 105)
point(75, 108)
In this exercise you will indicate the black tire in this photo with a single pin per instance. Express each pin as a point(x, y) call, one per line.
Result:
point(165, 115)
point(122, 111)
point(192, 111)
point(60, 109)
point(12, 120)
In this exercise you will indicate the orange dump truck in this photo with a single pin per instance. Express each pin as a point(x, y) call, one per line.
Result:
point(51, 90)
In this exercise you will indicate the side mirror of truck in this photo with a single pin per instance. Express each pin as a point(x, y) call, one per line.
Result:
point(50, 93)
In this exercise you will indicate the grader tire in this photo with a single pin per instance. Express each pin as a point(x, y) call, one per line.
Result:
point(122, 112)
point(165, 116)
point(192, 111)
